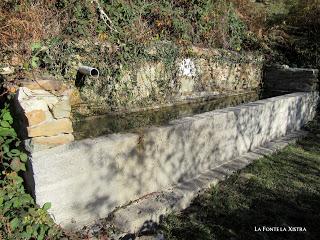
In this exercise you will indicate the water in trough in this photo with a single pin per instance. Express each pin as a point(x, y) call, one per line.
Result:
point(91, 127)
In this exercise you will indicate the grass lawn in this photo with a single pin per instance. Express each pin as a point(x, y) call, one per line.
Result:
point(281, 190)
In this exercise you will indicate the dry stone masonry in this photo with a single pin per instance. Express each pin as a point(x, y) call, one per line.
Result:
point(206, 72)
point(44, 112)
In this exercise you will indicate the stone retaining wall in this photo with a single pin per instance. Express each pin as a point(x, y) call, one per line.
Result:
point(290, 79)
point(87, 179)
point(206, 72)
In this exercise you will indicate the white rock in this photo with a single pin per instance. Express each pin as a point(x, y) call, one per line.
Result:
point(23, 93)
point(25, 103)
point(31, 105)
point(7, 70)
point(187, 68)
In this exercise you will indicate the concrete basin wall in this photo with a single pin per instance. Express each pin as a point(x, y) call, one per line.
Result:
point(87, 179)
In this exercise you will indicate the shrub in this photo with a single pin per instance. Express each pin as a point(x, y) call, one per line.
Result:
point(184, 22)
point(304, 28)
point(20, 217)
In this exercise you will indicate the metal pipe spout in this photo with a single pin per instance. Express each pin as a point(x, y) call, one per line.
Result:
point(89, 71)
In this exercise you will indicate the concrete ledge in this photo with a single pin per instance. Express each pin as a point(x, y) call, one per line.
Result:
point(85, 180)
point(147, 211)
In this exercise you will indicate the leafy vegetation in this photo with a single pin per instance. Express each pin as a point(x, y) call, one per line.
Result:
point(302, 28)
point(67, 30)
point(11, 156)
point(280, 190)
point(119, 36)
point(20, 217)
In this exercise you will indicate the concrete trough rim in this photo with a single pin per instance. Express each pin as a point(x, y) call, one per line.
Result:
point(183, 120)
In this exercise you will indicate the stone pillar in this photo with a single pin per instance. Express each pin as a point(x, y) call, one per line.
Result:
point(43, 112)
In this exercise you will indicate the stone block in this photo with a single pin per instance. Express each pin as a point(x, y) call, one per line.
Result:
point(51, 128)
point(35, 111)
point(62, 109)
point(49, 85)
point(30, 100)
point(33, 104)
point(49, 98)
point(41, 143)
point(35, 117)
point(23, 93)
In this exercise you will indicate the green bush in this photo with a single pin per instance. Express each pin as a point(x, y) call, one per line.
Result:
point(20, 217)
point(304, 29)
point(11, 157)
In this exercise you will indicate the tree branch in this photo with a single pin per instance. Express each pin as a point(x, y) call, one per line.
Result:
point(105, 17)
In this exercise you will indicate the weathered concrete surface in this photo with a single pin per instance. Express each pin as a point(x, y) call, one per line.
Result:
point(143, 214)
point(86, 180)
point(291, 79)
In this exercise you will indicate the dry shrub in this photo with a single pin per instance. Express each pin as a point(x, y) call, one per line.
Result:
point(24, 23)
point(252, 15)
point(306, 13)
point(141, 31)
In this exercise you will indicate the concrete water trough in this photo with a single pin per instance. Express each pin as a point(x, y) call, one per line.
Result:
point(88, 178)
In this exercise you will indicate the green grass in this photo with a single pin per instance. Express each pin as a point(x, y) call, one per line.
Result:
point(279, 190)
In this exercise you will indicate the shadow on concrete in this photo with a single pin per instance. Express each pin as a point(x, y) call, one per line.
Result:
point(124, 167)
point(281, 192)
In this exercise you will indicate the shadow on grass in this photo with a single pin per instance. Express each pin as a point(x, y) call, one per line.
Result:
point(282, 190)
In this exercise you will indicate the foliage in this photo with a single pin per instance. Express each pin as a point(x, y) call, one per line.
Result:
point(135, 23)
point(303, 27)
point(60, 26)
point(287, 31)
point(68, 33)
point(11, 157)
point(20, 217)
point(168, 27)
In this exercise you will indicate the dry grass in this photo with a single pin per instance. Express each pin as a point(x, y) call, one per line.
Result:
point(20, 27)
point(252, 15)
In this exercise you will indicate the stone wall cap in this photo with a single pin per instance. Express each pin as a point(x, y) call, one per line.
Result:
point(293, 69)
point(48, 85)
